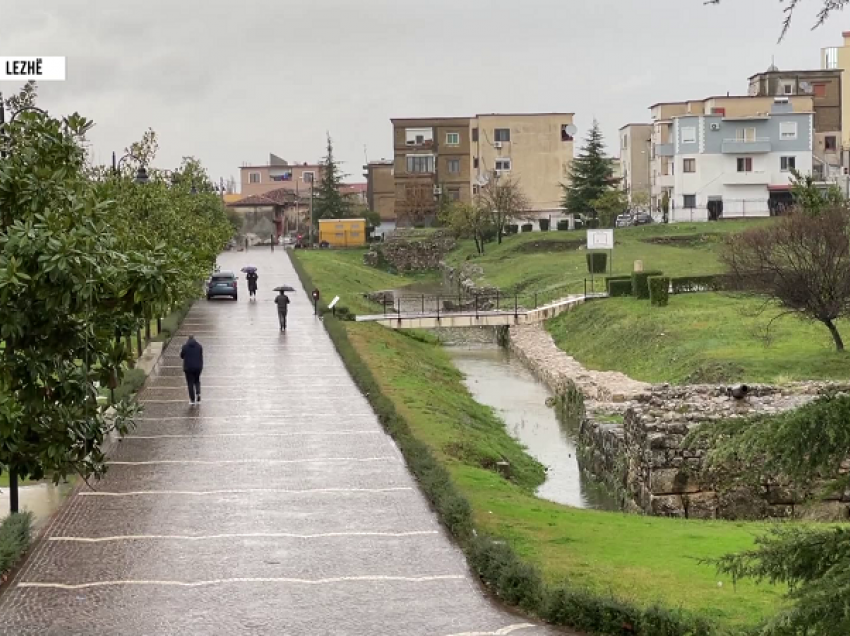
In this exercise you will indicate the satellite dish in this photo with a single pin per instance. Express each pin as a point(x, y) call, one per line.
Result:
point(571, 130)
point(482, 180)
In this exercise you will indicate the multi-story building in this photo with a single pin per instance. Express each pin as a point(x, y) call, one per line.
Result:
point(277, 174)
point(456, 156)
point(824, 87)
point(664, 168)
point(838, 58)
point(380, 188)
point(735, 164)
point(635, 164)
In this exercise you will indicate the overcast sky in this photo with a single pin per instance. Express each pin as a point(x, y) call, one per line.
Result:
point(230, 82)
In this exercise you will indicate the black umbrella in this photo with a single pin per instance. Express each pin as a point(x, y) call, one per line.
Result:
point(249, 269)
point(284, 288)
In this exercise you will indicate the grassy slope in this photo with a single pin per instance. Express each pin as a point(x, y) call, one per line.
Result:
point(639, 558)
point(698, 338)
point(537, 261)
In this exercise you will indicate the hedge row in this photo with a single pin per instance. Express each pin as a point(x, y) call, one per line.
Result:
point(688, 284)
point(659, 290)
point(640, 283)
point(597, 262)
point(611, 279)
point(15, 537)
point(619, 288)
point(512, 579)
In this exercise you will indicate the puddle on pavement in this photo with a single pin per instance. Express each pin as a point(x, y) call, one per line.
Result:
point(497, 380)
point(41, 499)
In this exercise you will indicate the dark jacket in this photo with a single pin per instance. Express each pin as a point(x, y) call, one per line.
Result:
point(252, 280)
point(282, 302)
point(193, 355)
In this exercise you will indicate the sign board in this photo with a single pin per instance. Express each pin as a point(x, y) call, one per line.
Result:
point(600, 239)
point(333, 302)
point(24, 68)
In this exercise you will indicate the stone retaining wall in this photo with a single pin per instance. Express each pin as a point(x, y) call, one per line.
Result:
point(410, 255)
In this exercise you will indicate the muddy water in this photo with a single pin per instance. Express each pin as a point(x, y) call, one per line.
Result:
point(497, 380)
point(41, 499)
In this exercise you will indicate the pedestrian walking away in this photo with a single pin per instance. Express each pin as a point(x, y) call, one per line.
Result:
point(192, 354)
point(252, 283)
point(282, 302)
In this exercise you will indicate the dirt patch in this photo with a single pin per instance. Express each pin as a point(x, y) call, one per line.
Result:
point(685, 240)
point(542, 247)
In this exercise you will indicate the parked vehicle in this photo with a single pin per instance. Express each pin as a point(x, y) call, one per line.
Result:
point(222, 284)
point(642, 218)
point(624, 220)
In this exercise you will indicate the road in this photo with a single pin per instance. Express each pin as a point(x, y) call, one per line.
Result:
point(276, 507)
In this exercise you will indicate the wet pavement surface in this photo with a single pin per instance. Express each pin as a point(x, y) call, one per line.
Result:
point(276, 507)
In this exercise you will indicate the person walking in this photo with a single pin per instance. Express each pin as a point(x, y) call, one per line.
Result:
point(252, 283)
point(192, 354)
point(282, 302)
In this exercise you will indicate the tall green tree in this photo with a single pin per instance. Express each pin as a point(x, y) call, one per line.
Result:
point(591, 175)
point(329, 202)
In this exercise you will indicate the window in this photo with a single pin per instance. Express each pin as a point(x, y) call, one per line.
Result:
point(788, 130)
point(339, 226)
point(689, 135)
point(788, 89)
point(830, 143)
point(718, 111)
point(502, 134)
point(745, 134)
point(689, 165)
point(745, 164)
point(503, 165)
point(420, 163)
point(565, 133)
point(625, 142)
point(452, 139)
point(418, 136)
point(254, 177)
point(475, 163)
point(788, 163)
point(819, 90)
point(454, 194)
point(474, 189)
point(475, 134)
point(453, 166)
point(308, 176)
point(689, 201)
point(665, 166)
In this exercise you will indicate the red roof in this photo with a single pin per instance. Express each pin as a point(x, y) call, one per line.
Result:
point(353, 188)
point(280, 196)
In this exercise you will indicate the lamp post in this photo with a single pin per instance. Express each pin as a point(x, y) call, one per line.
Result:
point(141, 173)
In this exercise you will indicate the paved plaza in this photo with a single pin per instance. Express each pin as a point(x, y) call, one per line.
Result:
point(277, 507)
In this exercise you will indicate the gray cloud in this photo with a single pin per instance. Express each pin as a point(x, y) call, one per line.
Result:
point(231, 82)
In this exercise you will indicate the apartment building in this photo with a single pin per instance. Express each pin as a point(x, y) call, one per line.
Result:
point(635, 163)
point(736, 165)
point(838, 58)
point(456, 156)
point(663, 167)
point(824, 87)
point(380, 188)
point(277, 174)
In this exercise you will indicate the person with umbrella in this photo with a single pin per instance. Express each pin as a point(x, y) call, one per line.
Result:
point(251, 275)
point(282, 302)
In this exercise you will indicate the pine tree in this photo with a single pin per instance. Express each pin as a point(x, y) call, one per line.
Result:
point(591, 175)
point(329, 201)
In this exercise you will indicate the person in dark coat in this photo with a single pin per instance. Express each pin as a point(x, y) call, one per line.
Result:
point(252, 283)
point(192, 354)
point(282, 302)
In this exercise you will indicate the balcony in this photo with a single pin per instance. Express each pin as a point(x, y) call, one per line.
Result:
point(664, 150)
point(759, 177)
point(758, 145)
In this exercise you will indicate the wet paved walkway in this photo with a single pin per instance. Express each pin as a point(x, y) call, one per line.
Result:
point(278, 507)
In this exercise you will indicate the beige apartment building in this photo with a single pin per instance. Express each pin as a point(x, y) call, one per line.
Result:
point(838, 58)
point(380, 188)
point(635, 163)
point(277, 174)
point(455, 157)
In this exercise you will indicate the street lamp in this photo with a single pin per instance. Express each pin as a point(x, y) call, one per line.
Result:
point(141, 173)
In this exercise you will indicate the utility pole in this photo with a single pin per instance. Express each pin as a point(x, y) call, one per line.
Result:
point(311, 212)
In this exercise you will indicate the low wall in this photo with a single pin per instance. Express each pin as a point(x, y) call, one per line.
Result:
point(410, 255)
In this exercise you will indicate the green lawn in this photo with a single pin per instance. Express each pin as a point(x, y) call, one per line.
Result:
point(537, 261)
point(641, 559)
point(699, 338)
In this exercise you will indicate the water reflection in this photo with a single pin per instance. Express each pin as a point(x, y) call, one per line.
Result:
point(41, 499)
point(497, 380)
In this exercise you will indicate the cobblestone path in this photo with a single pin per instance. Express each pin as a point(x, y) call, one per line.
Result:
point(277, 507)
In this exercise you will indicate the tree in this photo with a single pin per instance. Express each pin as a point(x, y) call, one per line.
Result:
point(503, 201)
point(827, 9)
point(640, 200)
point(665, 207)
point(470, 221)
point(591, 175)
point(801, 262)
point(329, 202)
point(609, 205)
point(805, 447)
point(417, 206)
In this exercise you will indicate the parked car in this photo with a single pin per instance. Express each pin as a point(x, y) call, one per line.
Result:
point(624, 220)
point(222, 284)
point(642, 218)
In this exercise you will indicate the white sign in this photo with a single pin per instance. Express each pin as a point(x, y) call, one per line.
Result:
point(333, 302)
point(24, 68)
point(600, 239)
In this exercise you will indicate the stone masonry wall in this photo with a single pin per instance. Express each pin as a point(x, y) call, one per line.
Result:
point(632, 435)
point(410, 255)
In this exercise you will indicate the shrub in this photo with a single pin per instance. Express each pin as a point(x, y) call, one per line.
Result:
point(343, 313)
point(610, 279)
point(544, 225)
point(597, 262)
point(659, 290)
point(512, 228)
point(619, 288)
point(688, 284)
point(640, 285)
point(527, 227)
point(134, 379)
point(591, 224)
point(15, 536)
point(563, 225)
